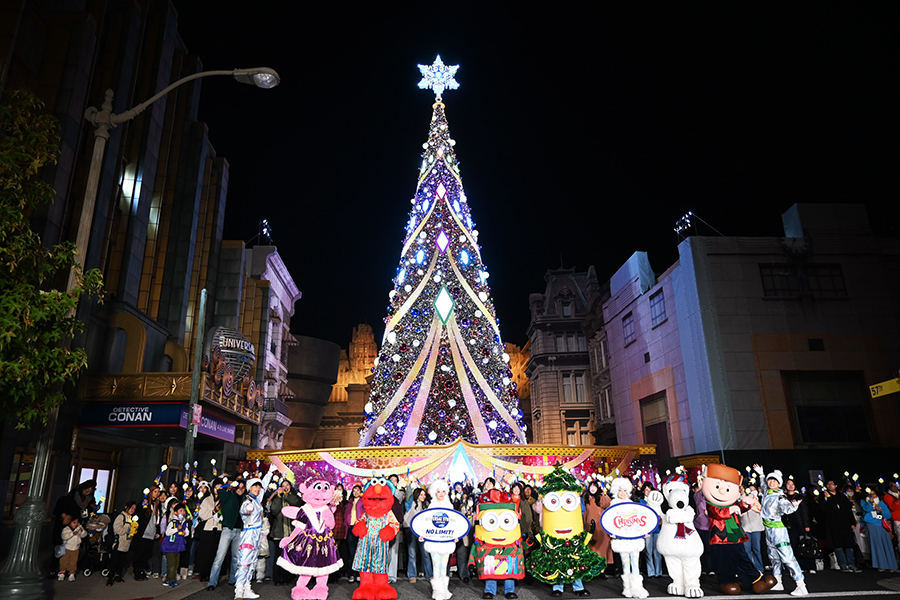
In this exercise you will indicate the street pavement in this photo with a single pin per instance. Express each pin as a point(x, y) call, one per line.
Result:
point(828, 584)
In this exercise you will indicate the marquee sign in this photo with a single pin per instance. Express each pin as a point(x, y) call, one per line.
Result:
point(440, 525)
point(629, 520)
point(153, 414)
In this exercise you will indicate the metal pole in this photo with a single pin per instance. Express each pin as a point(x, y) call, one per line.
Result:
point(195, 380)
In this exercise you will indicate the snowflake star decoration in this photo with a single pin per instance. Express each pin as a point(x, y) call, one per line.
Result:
point(438, 77)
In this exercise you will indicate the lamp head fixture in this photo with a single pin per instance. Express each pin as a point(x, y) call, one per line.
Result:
point(262, 77)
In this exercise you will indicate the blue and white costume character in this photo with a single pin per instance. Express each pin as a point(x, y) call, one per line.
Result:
point(248, 550)
point(774, 506)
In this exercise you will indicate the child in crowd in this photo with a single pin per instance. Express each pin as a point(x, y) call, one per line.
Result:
point(71, 537)
point(174, 543)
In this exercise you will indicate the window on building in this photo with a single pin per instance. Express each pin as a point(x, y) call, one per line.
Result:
point(654, 418)
point(628, 328)
point(779, 280)
point(657, 308)
point(826, 281)
point(567, 309)
point(571, 342)
point(823, 281)
point(577, 432)
point(560, 343)
point(606, 405)
point(582, 343)
point(828, 407)
point(104, 479)
point(604, 353)
point(573, 387)
point(568, 392)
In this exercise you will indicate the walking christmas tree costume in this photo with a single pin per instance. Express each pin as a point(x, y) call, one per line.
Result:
point(564, 556)
point(443, 372)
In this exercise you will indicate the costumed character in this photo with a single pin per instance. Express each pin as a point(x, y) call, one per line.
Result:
point(721, 488)
point(629, 551)
point(774, 506)
point(440, 551)
point(563, 555)
point(497, 552)
point(310, 550)
point(251, 512)
point(678, 542)
point(375, 529)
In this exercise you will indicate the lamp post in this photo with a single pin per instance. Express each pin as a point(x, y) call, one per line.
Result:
point(20, 576)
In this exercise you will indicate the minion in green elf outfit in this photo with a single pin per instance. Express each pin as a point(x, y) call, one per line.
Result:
point(563, 555)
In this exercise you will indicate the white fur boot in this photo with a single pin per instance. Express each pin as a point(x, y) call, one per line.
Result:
point(626, 585)
point(249, 593)
point(778, 586)
point(801, 589)
point(637, 587)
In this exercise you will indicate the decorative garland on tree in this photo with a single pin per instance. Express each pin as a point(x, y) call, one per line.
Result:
point(559, 560)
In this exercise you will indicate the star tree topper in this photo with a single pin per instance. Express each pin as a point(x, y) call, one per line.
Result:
point(438, 77)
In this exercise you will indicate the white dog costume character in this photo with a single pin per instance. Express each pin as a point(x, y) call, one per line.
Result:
point(629, 551)
point(678, 542)
point(440, 551)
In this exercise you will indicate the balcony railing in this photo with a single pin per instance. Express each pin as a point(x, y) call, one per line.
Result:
point(275, 405)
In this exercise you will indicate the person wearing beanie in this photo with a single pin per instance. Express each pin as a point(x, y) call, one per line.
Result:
point(774, 506)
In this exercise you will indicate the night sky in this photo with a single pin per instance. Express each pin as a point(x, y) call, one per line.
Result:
point(583, 134)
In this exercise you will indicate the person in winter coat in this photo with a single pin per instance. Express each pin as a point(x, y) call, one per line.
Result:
point(876, 516)
point(595, 502)
point(752, 523)
point(892, 501)
point(652, 557)
point(174, 542)
point(71, 536)
point(416, 547)
point(280, 528)
point(839, 524)
point(798, 524)
point(701, 524)
point(148, 533)
point(352, 514)
point(124, 529)
point(209, 528)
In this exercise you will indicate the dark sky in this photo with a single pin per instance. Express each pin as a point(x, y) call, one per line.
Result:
point(583, 134)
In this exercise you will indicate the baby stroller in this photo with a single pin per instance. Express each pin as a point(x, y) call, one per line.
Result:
point(97, 556)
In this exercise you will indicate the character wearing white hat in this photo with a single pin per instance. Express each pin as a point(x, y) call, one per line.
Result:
point(774, 506)
point(248, 551)
point(440, 552)
point(629, 551)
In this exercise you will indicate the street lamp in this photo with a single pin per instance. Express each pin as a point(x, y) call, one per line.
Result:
point(20, 577)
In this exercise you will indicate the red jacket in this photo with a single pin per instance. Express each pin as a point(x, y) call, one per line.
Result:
point(894, 505)
point(724, 527)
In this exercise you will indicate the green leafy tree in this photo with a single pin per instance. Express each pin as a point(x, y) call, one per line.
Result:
point(36, 321)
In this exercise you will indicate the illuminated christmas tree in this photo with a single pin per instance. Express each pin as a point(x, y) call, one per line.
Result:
point(442, 373)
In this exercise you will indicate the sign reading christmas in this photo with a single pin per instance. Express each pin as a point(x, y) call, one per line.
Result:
point(440, 525)
point(629, 520)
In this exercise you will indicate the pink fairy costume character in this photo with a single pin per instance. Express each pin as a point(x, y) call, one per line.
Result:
point(311, 551)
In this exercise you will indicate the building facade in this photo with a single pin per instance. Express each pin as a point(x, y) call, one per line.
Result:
point(564, 392)
point(748, 347)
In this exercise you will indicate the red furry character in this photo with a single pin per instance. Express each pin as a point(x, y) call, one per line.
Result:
point(375, 529)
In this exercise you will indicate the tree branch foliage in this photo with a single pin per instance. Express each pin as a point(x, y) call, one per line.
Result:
point(36, 322)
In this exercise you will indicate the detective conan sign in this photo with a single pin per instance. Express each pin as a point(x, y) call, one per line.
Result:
point(153, 414)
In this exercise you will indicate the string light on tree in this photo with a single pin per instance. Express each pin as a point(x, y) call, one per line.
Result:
point(442, 373)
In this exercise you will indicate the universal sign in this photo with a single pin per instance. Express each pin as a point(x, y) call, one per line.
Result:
point(440, 525)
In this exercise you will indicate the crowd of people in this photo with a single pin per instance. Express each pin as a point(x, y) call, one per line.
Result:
point(197, 530)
